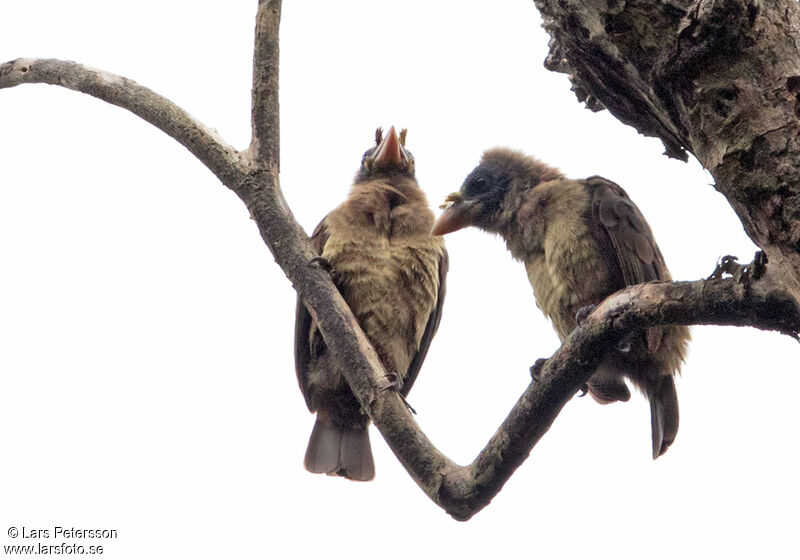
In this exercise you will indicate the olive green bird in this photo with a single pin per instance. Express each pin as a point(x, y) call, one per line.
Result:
point(580, 241)
point(391, 272)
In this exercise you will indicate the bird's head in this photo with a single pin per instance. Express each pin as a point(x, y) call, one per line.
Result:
point(484, 195)
point(388, 157)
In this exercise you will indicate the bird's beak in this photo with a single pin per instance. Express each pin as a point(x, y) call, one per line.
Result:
point(458, 213)
point(389, 151)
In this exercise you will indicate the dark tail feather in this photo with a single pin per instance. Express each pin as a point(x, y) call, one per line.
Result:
point(355, 455)
point(322, 455)
point(607, 385)
point(339, 451)
point(663, 415)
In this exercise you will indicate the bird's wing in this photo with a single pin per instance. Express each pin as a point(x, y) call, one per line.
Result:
point(626, 239)
point(307, 340)
point(430, 328)
point(625, 234)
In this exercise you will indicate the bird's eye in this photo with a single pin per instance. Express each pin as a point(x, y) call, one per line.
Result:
point(478, 184)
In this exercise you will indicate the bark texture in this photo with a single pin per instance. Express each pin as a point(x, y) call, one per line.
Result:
point(719, 79)
point(714, 77)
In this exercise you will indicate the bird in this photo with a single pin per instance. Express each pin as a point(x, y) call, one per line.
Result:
point(580, 241)
point(391, 271)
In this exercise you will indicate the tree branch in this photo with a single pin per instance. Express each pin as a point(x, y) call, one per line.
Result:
point(292, 251)
point(461, 491)
point(206, 145)
point(265, 145)
point(762, 304)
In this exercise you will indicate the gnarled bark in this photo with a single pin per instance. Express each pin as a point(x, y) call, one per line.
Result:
point(716, 78)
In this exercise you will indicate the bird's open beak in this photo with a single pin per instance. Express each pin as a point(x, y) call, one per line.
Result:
point(389, 151)
point(458, 213)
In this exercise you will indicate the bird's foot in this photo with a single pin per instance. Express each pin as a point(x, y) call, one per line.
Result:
point(408, 406)
point(584, 390)
point(727, 265)
point(583, 313)
point(322, 263)
point(740, 272)
point(536, 369)
point(395, 383)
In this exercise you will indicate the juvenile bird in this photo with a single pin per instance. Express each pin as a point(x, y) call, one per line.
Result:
point(580, 241)
point(391, 272)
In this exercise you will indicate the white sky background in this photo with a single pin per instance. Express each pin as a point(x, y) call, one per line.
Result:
point(146, 371)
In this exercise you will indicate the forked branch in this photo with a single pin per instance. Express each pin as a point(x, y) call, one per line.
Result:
point(253, 176)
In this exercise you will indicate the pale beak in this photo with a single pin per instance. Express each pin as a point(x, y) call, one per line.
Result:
point(459, 214)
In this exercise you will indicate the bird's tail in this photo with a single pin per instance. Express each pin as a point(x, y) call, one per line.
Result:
point(663, 414)
point(607, 385)
point(340, 451)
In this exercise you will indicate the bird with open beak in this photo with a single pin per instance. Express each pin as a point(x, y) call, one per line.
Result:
point(580, 241)
point(391, 272)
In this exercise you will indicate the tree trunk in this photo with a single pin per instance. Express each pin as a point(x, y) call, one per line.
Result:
point(717, 78)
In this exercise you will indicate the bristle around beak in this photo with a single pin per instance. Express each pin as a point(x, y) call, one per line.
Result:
point(458, 214)
point(388, 151)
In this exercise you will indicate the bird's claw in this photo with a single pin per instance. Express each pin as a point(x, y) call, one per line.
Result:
point(322, 263)
point(727, 265)
point(408, 406)
point(740, 272)
point(395, 383)
point(583, 313)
